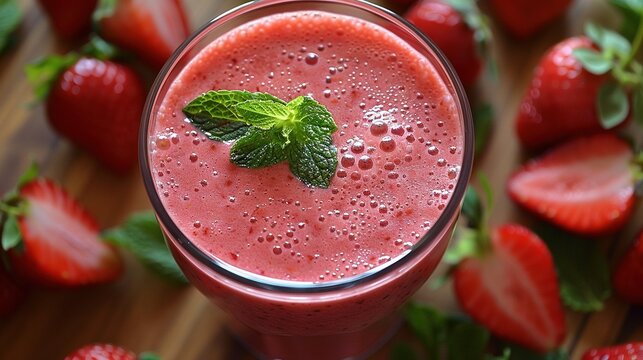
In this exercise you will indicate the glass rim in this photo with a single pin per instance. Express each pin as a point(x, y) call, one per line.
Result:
point(290, 286)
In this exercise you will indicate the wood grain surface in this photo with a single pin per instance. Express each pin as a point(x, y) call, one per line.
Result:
point(142, 312)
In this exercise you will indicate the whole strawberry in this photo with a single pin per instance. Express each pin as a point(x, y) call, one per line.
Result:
point(458, 29)
point(523, 18)
point(69, 18)
point(560, 102)
point(96, 104)
point(51, 239)
point(505, 280)
point(583, 85)
point(628, 277)
point(585, 186)
point(630, 351)
point(152, 29)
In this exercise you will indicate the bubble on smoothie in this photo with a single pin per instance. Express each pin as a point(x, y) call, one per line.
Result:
point(357, 147)
point(365, 162)
point(163, 142)
point(348, 160)
point(312, 58)
point(379, 127)
point(387, 144)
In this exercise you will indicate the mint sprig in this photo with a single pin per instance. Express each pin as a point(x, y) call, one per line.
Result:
point(266, 130)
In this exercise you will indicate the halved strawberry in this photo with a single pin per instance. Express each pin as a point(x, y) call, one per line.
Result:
point(584, 186)
point(512, 289)
point(630, 351)
point(101, 352)
point(152, 29)
point(628, 277)
point(60, 243)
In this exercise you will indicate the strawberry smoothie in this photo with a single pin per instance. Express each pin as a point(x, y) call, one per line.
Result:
point(400, 153)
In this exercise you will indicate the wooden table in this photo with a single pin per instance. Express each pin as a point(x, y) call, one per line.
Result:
point(142, 312)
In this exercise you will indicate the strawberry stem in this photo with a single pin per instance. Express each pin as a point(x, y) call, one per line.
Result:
point(17, 210)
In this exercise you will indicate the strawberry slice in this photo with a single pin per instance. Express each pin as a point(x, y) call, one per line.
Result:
point(152, 29)
point(629, 351)
point(60, 240)
point(584, 186)
point(512, 289)
point(628, 277)
point(101, 352)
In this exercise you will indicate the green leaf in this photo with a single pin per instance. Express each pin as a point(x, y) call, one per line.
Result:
point(214, 113)
point(429, 325)
point(104, 9)
point(313, 159)
point(402, 351)
point(99, 49)
point(29, 175)
point(259, 148)
point(607, 39)
point(506, 355)
point(466, 340)
point(472, 207)
point(637, 105)
point(631, 11)
point(11, 236)
point(313, 115)
point(142, 235)
point(521, 353)
point(613, 105)
point(262, 114)
point(593, 61)
point(10, 18)
point(466, 244)
point(43, 73)
point(482, 124)
point(583, 271)
point(148, 356)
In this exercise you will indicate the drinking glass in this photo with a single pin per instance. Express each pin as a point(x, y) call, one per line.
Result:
point(348, 318)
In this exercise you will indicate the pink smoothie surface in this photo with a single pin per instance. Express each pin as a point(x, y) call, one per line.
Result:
point(399, 150)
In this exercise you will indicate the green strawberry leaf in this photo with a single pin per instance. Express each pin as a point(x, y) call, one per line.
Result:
point(10, 18)
point(268, 131)
point(31, 174)
point(148, 356)
point(476, 21)
point(631, 11)
point(472, 207)
point(402, 351)
point(483, 126)
point(613, 105)
point(11, 236)
point(104, 9)
point(593, 61)
point(258, 149)
point(637, 105)
point(608, 40)
point(506, 355)
point(43, 73)
point(142, 235)
point(100, 49)
point(262, 114)
point(583, 271)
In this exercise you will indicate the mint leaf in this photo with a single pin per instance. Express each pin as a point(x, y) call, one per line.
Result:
point(429, 325)
point(10, 18)
point(262, 114)
point(214, 113)
point(268, 131)
point(142, 235)
point(11, 236)
point(258, 149)
point(593, 61)
point(583, 270)
point(613, 105)
point(104, 9)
